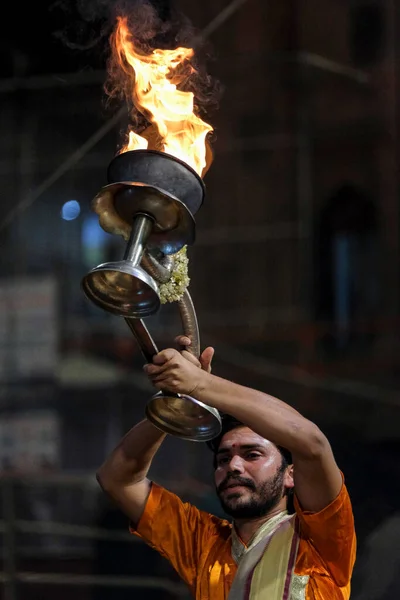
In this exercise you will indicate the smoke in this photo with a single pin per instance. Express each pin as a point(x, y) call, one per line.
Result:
point(85, 23)
point(88, 27)
point(152, 24)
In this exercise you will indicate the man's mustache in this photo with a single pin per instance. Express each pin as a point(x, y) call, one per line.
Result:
point(230, 481)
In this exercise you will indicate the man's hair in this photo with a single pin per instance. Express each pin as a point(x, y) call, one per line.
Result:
point(229, 423)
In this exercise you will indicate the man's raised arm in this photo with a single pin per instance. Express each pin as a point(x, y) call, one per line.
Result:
point(123, 476)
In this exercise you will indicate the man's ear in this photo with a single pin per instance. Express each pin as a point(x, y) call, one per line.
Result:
point(289, 479)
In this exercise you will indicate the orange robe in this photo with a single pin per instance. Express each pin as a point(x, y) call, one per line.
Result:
point(198, 545)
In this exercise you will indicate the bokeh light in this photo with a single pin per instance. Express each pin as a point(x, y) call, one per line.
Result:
point(70, 210)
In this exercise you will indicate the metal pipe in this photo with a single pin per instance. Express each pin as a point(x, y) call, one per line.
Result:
point(141, 229)
point(143, 338)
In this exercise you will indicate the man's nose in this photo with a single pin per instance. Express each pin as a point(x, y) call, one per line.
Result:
point(236, 464)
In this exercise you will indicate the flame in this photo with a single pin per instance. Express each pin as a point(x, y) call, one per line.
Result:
point(153, 81)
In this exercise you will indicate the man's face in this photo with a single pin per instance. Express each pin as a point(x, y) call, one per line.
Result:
point(250, 475)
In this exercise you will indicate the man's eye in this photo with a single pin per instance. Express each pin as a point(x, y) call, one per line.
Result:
point(253, 455)
point(223, 460)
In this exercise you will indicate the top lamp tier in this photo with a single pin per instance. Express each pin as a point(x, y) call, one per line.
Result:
point(162, 171)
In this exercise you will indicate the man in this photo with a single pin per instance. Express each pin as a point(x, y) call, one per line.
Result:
point(267, 554)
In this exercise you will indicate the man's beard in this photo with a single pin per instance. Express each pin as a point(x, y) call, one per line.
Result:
point(264, 499)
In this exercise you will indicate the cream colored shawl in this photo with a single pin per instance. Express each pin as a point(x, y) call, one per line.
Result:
point(265, 567)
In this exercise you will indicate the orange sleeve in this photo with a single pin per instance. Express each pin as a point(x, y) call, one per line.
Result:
point(175, 529)
point(331, 532)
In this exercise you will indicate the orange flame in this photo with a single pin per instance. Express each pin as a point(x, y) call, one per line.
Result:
point(155, 94)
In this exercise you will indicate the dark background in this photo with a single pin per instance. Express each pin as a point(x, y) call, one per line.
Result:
point(294, 273)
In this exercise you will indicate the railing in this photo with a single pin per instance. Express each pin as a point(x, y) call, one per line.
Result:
point(12, 527)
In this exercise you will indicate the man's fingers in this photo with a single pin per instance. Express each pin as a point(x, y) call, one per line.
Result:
point(161, 362)
point(159, 382)
point(164, 356)
point(153, 370)
point(191, 358)
point(164, 383)
point(183, 340)
point(206, 359)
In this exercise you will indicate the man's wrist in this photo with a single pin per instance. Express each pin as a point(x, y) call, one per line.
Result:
point(203, 386)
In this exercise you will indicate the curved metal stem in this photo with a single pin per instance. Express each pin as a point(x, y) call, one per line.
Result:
point(189, 322)
point(190, 329)
point(160, 270)
point(176, 414)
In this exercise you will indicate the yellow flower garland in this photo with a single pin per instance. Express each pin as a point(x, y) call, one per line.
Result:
point(175, 287)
